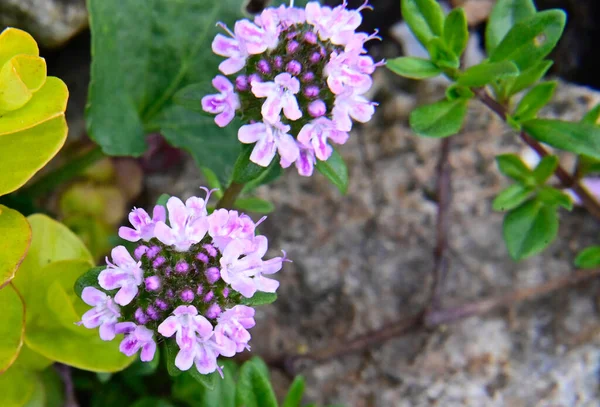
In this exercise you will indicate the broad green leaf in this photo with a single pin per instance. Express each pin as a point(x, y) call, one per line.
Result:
point(139, 368)
point(593, 116)
point(245, 171)
point(441, 54)
point(511, 197)
point(255, 205)
point(41, 143)
point(505, 14)
point(14, 42)
point(425, 18)
point(191, 96)
point(187, 389)
point(253, 387)
point(513, 167)
point(12, 328)
point(335, 170)
point(213, 182)
point(167, 49)
point(456, 31)
point(53, 387)
point(440, 119)
point(88, 279)
point(31, 360)
point(259, 298)
point(529, 229)
point(163, 199)
point(412, 67)
point(534, 100)
point(170, 351)
point(579, 138)
point(588, 258)
point(455, 91)
point(488, 72)
point(531, 39)
point(526, 78)
point(16, 387)
point(553, 197)
point(14, 249)
point(38, 397)
point(295, 393)
point(545, 169)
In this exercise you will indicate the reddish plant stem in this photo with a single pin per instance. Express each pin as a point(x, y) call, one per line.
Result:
point(589, 202)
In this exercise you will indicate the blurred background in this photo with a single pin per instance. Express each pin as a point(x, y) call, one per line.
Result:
point(364, 260)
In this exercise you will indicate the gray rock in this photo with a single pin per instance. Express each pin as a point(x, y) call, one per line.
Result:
point(51, 22)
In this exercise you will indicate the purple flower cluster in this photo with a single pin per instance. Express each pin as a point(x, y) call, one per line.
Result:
point(187, 278)
point(300, 76)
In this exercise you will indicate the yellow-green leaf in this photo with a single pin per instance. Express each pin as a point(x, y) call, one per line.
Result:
point(14, 249)
point(16, 387)
point(31, 360)
point(14, 42)
point(31, 69)
point(12, 326)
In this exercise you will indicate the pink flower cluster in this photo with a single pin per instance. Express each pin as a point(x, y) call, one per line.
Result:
point(300, 79)
point(187, 278)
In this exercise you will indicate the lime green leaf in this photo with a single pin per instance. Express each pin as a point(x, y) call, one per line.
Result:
point(425, 18)
point(31, 360)
point(13, 250)
point(412, 67)
point(295, 393)
point(132, 98)
point(534, 100)
point(529, 229)
point(531, 39)
point(513, 167)
point(593, 116)
point(440, 119)
point(554, 198)
point(456, 31)
point(441, 55)
point(253, 387)
point(588, 258)
point(482, 74)
point(526, 78)
point(505, 14)
point(14, 42)
point(16, 387)
point(255, 205)
point(12, 328)
point(455, 91)
point(579, 138)
point(259, 298)
point(511, 197)
point(545, 169)
point(335, 170)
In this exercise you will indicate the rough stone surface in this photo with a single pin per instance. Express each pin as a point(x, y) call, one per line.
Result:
point(51, 22)
point(364, 260)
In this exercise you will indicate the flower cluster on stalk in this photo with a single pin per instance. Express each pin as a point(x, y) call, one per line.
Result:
point(297, 77)
point(186, 280)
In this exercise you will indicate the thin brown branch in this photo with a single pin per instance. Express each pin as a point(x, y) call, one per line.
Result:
point(589, 202)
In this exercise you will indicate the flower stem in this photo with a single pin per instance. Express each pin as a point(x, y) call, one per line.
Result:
point(230, 196)
point(66, 172)
point(589, 202)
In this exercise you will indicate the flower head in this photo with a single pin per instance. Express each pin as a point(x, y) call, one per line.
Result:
point(223, 104)
point(186, 287)
point(292, 66)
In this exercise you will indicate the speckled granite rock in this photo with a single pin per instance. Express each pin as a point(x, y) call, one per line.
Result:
point(51, 22)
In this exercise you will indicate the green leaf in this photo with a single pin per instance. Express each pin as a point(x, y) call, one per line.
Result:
point(579, 138)
point(139, 368)
point(187, 389)
point(412, 67)
point(588, 258)
point(554, 198)
point(511, 197)
point(529, 229)
point(456, 31)
point(533, 101)
point(167, 49)
point(504, 15)
point(526, 78)
point(16, 387)
point(513, 167)
point(88, 279)
point(253, 387)
point(335, 170)
point(545, 169)
point(255, 205)
point(13, 250)
point(440, 119)
point(213, 182)
point(531, 39)
point(259, 298)
point(152, 402)
point(441, 55)
point(163, 199)
point(12, 328)
point(245, 171)
point(295, 393)
point(425, 18)
point(191, 96)
point(593, 116)
point(484, 73)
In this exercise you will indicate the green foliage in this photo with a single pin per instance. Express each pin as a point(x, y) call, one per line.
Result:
point(424, 17)
point(245, 171)
point(545, 169)
point(579, 138)
point(440, 119)
point(255, 205)
point(12, 328)
point(12, 250)
point(414, 68)
point(512, 197)
point(593, 116)
point(485, 73)
point(533, 101)
point(504, 15)
point(513, 167)
point(335, 170)
point(456, 31)
point(588, 258)
point(260, 298)
point(294, 395)
point(165, 51)
point(253, 387)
